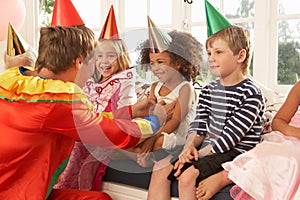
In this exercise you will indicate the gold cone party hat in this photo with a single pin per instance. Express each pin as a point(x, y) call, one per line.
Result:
point(15, 43)
point(65, 14)
point(215, 20)
point(158, 40)
point(110, 29)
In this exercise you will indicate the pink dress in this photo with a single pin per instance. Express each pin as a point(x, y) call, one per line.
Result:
point(271, 170)
point(115, 92)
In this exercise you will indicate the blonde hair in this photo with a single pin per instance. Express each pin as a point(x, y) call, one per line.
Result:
point(123, 59)
point(237, 39)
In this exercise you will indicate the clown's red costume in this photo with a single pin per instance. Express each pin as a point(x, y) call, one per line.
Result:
point(39, 121)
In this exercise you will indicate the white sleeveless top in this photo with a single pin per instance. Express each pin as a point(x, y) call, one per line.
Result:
point(178, 137)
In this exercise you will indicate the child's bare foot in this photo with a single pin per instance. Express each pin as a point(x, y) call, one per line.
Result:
point(208, 187)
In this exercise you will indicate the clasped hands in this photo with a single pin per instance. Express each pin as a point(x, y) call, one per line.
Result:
point(149, 106)
point(190, 153)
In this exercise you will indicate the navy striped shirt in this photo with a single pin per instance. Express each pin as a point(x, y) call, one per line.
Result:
point(230, 116)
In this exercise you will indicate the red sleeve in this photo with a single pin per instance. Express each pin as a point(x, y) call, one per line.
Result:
point(107, 130)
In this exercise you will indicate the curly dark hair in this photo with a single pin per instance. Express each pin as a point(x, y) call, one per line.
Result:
point(184, 50)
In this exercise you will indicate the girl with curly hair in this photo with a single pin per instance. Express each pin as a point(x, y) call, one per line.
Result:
point(176, 69)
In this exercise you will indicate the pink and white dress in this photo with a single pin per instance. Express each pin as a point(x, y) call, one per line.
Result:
point(271, 170)
point(115, 92)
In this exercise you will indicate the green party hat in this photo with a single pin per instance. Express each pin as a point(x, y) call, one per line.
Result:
point(158, 41)
point(215, 20)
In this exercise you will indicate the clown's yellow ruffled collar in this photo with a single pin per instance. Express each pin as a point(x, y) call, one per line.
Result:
point(15, 86)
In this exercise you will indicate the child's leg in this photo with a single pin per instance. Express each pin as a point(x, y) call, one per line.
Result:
point(70, 176)
point(208, 187)
point(203, 168)
point(186, 184)
point(159, 187)
point(148, 160)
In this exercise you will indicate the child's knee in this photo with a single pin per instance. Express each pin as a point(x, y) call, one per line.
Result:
point(189, 176)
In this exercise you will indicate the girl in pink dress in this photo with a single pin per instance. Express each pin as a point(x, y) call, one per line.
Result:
point(112, 86)
point(271, 169)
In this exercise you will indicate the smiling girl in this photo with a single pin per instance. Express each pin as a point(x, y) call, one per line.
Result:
point(112, 86)
point(113, 83)
point(176, 69)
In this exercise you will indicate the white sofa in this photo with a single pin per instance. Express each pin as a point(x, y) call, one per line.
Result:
point(120, 191)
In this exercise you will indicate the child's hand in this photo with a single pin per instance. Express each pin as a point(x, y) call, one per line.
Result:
point(25, 59)
point(188, 154)
point(147, 145)
point(178, 165)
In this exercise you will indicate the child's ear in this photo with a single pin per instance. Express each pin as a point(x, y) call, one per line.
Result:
point(177, 65)
point(78, 62)
point(242, 56)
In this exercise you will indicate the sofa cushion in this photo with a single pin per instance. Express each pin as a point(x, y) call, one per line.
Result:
point(274, 100)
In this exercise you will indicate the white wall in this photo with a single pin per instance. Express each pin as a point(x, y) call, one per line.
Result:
point(2, 49)
point(28, 31)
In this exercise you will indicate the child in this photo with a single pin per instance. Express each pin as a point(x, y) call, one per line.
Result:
point(112, 86)
point(274, 164)
point(229, 114)
point(176, 67)
point(231, 108)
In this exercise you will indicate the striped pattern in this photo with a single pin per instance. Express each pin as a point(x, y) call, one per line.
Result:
point(231, 116)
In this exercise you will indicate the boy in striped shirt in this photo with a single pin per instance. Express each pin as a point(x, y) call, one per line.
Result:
point(229, 115)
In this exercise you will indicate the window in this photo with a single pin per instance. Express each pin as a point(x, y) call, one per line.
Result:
point(135, 27)
point(288, 43)
point(274, 25)
point(276, 43)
